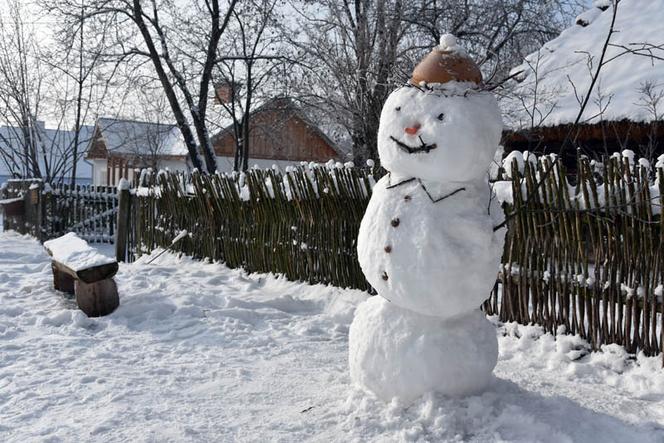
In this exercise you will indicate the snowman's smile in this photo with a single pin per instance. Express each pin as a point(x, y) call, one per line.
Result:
point(414, 150)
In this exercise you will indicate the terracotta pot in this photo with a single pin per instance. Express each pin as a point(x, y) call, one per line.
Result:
point(444, 66)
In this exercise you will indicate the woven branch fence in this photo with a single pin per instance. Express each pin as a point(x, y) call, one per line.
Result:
point(585, 252)
point(302, 224)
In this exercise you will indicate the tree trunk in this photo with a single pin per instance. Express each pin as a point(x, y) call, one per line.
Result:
point(246, 119)
point(171, 96)
point(79, 101)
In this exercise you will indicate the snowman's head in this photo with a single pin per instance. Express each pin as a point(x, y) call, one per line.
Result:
point(441, 126)
point(442, 135)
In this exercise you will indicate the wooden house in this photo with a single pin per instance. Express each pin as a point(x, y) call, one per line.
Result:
point(118, 146)
point(280, 133)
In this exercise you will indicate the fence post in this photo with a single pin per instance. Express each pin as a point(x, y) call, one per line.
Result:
point(46, 211)
point(33, 209)
point(122, 228)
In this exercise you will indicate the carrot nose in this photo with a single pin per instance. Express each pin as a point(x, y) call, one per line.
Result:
point(412, 130)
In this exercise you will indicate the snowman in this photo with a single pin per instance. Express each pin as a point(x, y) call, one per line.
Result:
point(426, 242)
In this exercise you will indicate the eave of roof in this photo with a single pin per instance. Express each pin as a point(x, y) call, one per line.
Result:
point(604, 130)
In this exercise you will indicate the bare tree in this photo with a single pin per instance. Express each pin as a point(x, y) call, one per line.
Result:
point(29, 89)
point(20, 94)
point(498, 34)
point(179, 41)
point(352, 51)
point(651, 98)
point(254, 53)
point(358, 51)
point(76, 59)
point(148, 141)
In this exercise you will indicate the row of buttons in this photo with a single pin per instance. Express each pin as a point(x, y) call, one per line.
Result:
point(395, 223)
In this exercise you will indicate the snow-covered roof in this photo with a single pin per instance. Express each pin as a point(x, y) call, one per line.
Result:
point(57, 141)
point(560, 73)
point(9, 135)
point(141, 138)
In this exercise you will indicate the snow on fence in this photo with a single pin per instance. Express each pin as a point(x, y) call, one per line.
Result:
point(585, 251)
point(302, 223)
point(53, 210)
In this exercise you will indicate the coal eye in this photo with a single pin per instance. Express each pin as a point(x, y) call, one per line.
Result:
point(441, 116)
point(398, 108)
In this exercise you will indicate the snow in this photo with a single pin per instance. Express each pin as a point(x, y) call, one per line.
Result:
point(123, 184)
point(448, 43)
point(508, 162)
point(141, 138)
point(182, 234)
point(75, 253)
point(199, 352)
point(503, 191)
point(396, 352)
point(587, 17)
point(7, 201)
point(562, 65)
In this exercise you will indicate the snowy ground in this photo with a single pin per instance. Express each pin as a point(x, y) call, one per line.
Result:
point(198, 352)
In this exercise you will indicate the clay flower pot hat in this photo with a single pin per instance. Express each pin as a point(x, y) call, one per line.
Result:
point(446, 62)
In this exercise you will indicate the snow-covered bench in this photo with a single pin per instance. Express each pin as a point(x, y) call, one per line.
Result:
point(81, 270)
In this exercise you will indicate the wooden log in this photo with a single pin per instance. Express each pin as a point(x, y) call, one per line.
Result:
point(88, 275)
point(62, 281)
point(97, 299)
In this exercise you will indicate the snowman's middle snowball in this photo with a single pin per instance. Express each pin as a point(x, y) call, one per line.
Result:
point(394, 352)
point(441, 258)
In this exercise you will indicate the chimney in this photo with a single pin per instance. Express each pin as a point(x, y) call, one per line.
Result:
point(224, 91)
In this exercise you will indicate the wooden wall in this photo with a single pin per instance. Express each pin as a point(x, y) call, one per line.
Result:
point(594, 140)
point(279, 135)
point(98, 147)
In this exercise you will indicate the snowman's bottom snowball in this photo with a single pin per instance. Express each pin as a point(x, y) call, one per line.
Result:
point(394, 352)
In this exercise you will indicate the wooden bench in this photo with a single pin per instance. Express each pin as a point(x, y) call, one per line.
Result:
point(80, 270)
point(12, 206)
point(14, 213)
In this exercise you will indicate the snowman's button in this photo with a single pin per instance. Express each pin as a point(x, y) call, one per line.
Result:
point(407, 198)
point(395, 222)
point(388, 249)
point(384, 276)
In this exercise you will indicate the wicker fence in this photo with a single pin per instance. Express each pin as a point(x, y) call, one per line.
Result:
point(302, 223)
point(582, 252)
point(585, 252)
